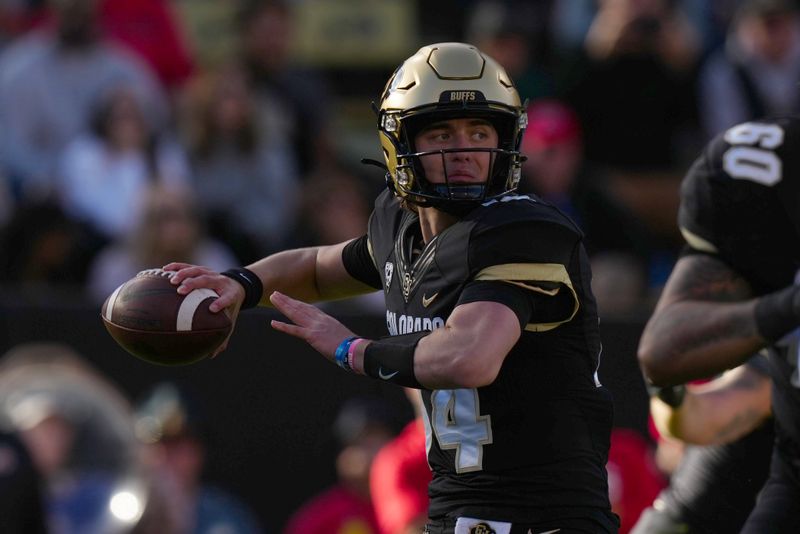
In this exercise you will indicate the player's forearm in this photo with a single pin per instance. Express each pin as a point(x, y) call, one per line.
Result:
point(439, 360)
point(690, 340)
point(291, 272)
point(469, 351)
point(447, 359)
point(466, 353)
point(308, 274)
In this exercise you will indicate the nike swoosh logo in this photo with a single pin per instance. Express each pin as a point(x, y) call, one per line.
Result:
point(427, 301)
point(386, 376)
point(548, 532)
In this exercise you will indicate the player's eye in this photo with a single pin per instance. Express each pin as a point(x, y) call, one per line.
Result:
point(481, 135)
point(438, 136)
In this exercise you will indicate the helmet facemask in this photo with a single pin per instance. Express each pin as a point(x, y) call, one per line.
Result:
point(502, 175)
point(442, 82)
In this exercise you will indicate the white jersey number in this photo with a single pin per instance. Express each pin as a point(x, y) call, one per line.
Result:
point(756, 162)
point(458, 424)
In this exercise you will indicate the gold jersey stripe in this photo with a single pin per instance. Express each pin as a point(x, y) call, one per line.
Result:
point(697, 242)
point(525, 275)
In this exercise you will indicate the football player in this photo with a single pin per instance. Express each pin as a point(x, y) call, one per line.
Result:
point(733, 292)
point(489, 306)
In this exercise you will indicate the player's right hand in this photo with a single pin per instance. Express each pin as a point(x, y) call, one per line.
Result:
point(231, 294)
point(189, 277)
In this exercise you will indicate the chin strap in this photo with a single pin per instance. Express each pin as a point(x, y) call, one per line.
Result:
point(461, 192)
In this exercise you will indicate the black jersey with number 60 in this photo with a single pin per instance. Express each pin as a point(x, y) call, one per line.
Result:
point(533, 444)
point(741, 202)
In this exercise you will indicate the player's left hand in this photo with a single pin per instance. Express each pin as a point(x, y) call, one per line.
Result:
point(311, 324)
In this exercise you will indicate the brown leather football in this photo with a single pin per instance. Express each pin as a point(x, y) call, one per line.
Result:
point(148, 318)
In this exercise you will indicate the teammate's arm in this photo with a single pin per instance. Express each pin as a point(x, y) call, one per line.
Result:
point(719, 411)
point(704, 323)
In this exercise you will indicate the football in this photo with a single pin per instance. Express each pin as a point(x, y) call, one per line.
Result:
point(148, 318)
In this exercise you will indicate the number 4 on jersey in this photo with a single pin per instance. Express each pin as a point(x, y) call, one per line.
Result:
point(458, 424)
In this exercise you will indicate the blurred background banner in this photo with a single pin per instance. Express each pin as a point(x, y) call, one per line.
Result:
point(355, 33)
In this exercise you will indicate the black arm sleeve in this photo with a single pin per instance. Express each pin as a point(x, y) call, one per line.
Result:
point(529, 306)
point(358, 262)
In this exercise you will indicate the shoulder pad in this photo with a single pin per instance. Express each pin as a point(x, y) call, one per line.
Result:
point(519, 230)
point(512, 209)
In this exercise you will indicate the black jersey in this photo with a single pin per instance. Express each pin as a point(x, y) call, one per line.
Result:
point(741, 202)
point(533, 444)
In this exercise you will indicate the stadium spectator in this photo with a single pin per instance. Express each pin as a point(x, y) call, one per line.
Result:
point(362, 426)
point(757, 71)
point(571, 20)
point(171, 426)
point(513, 33)
point(335, 206)
point(247, 186)
point(728, 433)
point(52, 252)
point(78, 428)
point(104, 174)
point(733, 291)
point(632, 85)
point(152, 29)
point(49, 82)
point(292, 103)
point(489, 306)
point(170, 226)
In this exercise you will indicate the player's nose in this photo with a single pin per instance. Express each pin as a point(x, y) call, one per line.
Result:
point(461, 143)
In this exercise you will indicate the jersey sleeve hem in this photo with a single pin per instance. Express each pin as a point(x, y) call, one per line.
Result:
point(526, 275)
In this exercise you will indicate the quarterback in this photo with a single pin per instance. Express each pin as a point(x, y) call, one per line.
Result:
point(489, 307)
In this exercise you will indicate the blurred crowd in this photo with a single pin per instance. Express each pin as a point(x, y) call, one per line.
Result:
point(78, 457)
point(134, 132)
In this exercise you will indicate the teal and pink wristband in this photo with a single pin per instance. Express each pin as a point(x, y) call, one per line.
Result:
point(345, 353)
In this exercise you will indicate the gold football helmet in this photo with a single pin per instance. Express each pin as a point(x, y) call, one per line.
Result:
point(440, 82)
